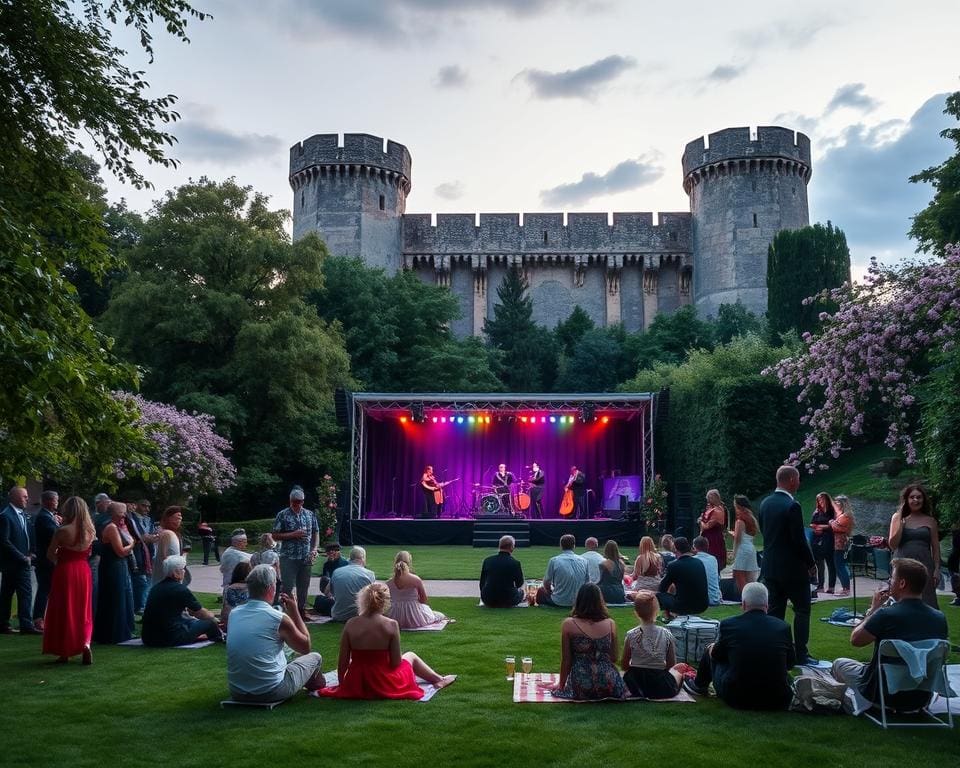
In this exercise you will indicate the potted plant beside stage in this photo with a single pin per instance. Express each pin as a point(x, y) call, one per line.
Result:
point(653, 511)
point(327, 510)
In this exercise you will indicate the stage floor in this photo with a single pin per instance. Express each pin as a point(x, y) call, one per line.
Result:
point(460, 531)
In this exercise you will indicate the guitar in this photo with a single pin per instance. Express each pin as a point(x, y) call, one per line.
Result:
point(438, 493)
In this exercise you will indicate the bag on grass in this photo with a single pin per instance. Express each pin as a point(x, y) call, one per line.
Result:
point(814, 695)
point(692, 635)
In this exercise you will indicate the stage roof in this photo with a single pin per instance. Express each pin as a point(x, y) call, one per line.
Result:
point(396, 403)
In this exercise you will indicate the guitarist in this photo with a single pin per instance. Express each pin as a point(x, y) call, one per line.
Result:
point(502, 481)
point(429, 486)
point(537, 480)
point(577, 483)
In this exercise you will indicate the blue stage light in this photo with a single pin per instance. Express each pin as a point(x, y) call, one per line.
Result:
point(459, 419)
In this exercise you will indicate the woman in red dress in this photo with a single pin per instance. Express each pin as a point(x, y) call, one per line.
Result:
point(371, 665)
point(68, 624)
point(713, 522)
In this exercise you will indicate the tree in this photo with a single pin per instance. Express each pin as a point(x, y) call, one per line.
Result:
point(802, 263)
point(939, 223)
point(571, 331)
point(596, 364)
point(670, 338)
point(61, 74)
point(735, 320)
point(212, 310)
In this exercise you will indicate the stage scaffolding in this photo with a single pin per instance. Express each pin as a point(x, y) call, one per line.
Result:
point(366, 405)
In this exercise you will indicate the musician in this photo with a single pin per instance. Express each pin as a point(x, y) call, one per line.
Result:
point(536, 490)
point(577, 482)
point(429, 486)
point(501, 486)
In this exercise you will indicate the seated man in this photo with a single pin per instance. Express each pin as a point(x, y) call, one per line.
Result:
point(164, 624)
point(683, 588)
point(501, 577)
point(909, 618)
point(233, 555)
point(257, 669)
point(711, 566)
point(592, 558)
point(748, 664)
point(334, 560)
point(340, 602)
point(566, 573)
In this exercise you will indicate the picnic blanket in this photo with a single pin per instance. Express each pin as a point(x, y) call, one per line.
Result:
point(227, 703)
point(333, 678)
point(435, 627)
point(521, 604)
point(136, 642)
point(533, 688)
point(316, 618)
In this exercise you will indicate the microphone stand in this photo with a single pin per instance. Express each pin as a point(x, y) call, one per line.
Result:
point(393, 497)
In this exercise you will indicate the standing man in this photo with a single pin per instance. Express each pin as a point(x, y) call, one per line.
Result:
point(429, 486)
point(45, 524)
point(501, 486)
point(787, 560)
point(141, 528)
point(297, 531)
point(101, 516)
point(16, 562)
point(577, 483)
point(537, 480)
point(209, 539)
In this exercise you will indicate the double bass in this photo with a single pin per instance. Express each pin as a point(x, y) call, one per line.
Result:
point(566, 503)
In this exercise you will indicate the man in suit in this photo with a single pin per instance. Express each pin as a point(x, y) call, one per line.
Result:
point(501, 577)
point(577, 482)
point(101, 517)
point(748, 664)
point(44, 526)
point(16, 562)
point(537, 480)
point(688, 579)
point(787, 560)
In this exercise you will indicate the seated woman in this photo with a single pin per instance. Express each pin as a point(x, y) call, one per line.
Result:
point(649, 654)
point(668, 550)
point(408, 597)
point(647, 569)
point(588, 643)
point(371, 665)
point(611, 574)
point(265, 544)
point(236, 592)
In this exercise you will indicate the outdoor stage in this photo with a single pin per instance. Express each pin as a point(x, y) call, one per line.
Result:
point(609, 437)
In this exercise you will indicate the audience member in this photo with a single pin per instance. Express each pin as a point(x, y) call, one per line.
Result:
point(345, 584)
point(745, 567)
point(170, 541)
point(371, 665)
point(297, 531)
point(668, 550)
point(842, 526)
point(787, 560)
point(649, 653)
point(17, 553)
point(713, 523)
point(683, 589)
point(114, 620)
point(264, 544)
point(164, 623)
point(408, 596)
point(233, 555)
point(141, 564)
point(236, 592)
point(100, 517)
point(611, 574)
point(208, 539)
point(68, 622)
point(914, 534)
point(710, 567)
point(953, 564)
point(592, 557)
point(588, 649)
point(749, 663)
point(501, 577)
point(257, 668)
point(907, 618)
point(566, 573)
point(821, 542)
point(45, 524)
point(647, 568)
point(334, 560)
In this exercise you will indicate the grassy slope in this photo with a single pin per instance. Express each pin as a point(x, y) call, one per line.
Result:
point(850, 474)
point(167, 704)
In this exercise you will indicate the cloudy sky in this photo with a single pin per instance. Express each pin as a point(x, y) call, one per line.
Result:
point(569, 105)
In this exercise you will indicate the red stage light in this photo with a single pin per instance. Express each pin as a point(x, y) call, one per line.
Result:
point(523, 419)
point(403, 419)
point(605, 419)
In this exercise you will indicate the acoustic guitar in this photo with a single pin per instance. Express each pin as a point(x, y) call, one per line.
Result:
point(438, 494)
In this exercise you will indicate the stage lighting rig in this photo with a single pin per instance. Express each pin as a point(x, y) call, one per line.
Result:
point(588, 413)
point(416, 413)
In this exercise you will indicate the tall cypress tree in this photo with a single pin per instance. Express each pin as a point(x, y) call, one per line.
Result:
point(800, 264)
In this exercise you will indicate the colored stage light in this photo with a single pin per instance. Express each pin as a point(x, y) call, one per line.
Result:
point(434, 419)
point(487, 419)
point(459, 419)
point(543, 419)
point(605, 419)
point(553, 419)
point(403, 419)
point(523, 419)
point(443, 419)
point(471, 419)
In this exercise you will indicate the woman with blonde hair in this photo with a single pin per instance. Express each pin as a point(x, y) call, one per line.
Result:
point(649, 653)
point(611, 574)
point(408, 596)
point(68, 623)
point(713, 522)
point(371, 665)
point(648, 567)
point(842, 525)
point(745, 567)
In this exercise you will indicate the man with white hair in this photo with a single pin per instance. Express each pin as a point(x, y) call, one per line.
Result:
point(16, 562)
point(345, 584)
point(749, 662)
point(164, 624)
point(297, 531)
point(234, 555)
point(592, 558)
point(257, 669)
point(501, 577)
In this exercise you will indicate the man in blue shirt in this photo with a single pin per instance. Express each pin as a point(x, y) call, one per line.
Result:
point(710, 565)
point(299, 535)
point(566, 573)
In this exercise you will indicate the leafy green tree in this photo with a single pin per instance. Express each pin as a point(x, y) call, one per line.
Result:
point(670, 338)
point(571, 331)
point(61, 75)
point(939, 223)
point(212, 310)
point(940, 435)
point(735, 320)
point(597, 363)
point(802, 263)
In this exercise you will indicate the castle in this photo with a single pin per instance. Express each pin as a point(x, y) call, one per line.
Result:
point(743, 187)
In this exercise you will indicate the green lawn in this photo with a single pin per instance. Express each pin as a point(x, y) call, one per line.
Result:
point(144, 707)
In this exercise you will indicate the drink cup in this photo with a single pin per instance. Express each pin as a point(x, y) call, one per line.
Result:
point(511, 665)
point(527, 665)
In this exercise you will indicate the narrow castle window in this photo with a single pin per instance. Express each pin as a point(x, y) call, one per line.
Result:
point(383, 203)
point(545, 239)
point(673, 237)
point(755, 220)
point(301, 199)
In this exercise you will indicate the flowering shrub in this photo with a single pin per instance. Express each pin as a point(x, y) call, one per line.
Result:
point(327, 507)
point(654, 507)
point(874, 347)
point(188, 451)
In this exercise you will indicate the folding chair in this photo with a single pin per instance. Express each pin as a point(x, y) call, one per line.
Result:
point(934, 681)
point(856, 557)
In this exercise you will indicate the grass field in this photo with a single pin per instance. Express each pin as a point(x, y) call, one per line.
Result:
point(146, 707)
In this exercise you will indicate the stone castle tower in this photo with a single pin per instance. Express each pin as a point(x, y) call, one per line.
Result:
point(625, 268)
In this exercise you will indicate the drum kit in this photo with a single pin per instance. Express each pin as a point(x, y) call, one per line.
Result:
point(489, 501)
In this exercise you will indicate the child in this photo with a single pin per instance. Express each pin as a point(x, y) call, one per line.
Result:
point(649, 654)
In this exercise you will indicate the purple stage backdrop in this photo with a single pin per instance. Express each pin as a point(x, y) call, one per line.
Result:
point(397, 453)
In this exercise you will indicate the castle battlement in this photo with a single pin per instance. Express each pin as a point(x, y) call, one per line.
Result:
point(546, 233)
point(739, 144)
point(362, 150)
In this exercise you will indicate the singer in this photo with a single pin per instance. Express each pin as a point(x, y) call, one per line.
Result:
point(536, 491)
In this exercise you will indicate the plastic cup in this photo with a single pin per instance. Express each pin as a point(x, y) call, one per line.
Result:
point(511, 665)
point(527, 665)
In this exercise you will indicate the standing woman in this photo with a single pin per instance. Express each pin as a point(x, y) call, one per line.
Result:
point(822, 541)
point(171, 541)
point(114, 620)
point(745, 567)
point(68, 624)
point(914, 533)
point(713, 522)
point(842, 526)
point(611, 574)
